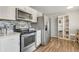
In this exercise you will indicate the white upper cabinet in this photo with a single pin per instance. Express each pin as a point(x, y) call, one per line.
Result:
point(39, 14)
point(21, 7)
point(28, 9)
point(33, 12)
point(7, 12)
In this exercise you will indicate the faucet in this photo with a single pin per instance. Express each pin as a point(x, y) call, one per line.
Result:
point(5, 27)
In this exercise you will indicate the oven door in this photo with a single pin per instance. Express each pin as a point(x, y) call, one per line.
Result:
point(27, 41)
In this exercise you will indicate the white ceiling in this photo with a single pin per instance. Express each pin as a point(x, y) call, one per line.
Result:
point(54, 9)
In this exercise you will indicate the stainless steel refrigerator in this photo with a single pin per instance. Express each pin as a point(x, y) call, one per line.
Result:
point(43, 25)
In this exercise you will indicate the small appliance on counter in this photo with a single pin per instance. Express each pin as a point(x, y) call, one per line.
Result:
point(3, 30)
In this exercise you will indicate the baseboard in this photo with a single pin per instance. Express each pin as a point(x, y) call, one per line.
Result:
point(55, 37)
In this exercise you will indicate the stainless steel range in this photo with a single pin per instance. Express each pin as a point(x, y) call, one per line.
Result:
point(27, 40)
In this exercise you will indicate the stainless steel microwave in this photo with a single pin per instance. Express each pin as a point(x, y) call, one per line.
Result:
point(22, 14)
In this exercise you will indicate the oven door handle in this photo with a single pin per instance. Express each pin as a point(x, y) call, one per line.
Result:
point(26, 35)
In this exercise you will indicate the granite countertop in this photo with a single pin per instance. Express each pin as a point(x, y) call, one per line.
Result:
point(10, 34)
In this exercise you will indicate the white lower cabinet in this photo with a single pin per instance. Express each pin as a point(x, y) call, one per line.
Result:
point(10, 44)
point(38, 38)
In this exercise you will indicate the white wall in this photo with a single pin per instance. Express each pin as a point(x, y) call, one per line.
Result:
point(53, 26)
point(73, 22)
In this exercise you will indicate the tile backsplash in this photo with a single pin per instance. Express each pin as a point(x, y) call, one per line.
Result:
point(10, 24)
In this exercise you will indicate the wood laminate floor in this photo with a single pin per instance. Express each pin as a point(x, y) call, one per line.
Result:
point(59, 45)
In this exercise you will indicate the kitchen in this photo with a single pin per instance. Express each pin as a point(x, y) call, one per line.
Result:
point(64, 28)
point(20, 29)
point(39, 28)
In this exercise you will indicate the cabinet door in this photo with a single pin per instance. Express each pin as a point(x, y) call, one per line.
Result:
point(7, 12)
point(28, 9)
point(11, 44)
point(35, 17)
point(3, 44)
point(21, 7)
point(3, 12)
point(11, 13)
point(39, 14)
point(38, 38)
point(34, 14)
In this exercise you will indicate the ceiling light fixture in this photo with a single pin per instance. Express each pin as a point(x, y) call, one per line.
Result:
point(70, 7)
